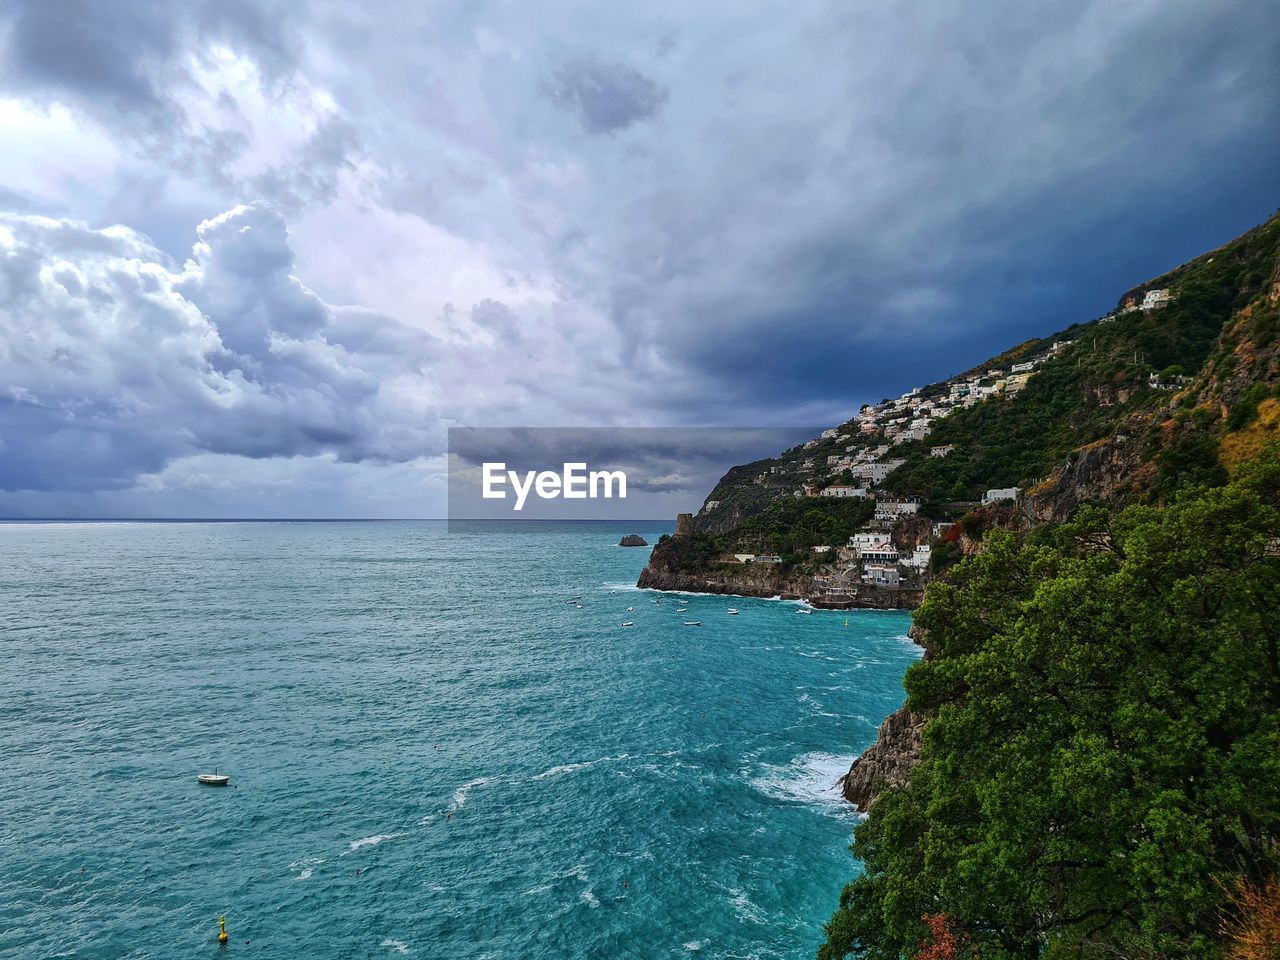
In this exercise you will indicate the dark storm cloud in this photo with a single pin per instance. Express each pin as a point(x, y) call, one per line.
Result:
point(120, 61)
point(778, 212)
point(605, 96)
point(1034, 164)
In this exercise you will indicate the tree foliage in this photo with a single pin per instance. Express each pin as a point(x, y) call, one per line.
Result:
point(1103, 760)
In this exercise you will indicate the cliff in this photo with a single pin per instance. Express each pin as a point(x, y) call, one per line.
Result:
point(886, 763)
point(1130, 407)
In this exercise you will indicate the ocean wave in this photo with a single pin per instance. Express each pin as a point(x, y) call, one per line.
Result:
point(306, 867)
point(398, 946)
point(744, 909)
point(463, 792)
point(373, 841)
point(812, 779)
point(563, 768)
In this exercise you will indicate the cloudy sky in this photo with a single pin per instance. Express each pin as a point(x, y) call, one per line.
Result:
point(256, 257)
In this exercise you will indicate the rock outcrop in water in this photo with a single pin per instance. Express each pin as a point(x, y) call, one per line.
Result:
point(886, 762)
point(633, 540)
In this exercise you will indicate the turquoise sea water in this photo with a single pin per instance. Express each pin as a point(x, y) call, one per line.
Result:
point(513, 777)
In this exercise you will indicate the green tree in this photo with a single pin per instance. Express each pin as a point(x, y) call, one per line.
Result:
point(1104, 748)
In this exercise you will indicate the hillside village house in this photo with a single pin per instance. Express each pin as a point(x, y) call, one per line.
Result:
point(893, 509)
point(919, 557)
point(1156, 299)
point(941, 451)
point(843, 490)
point(1167, 383)
point(1023, 367)
point(874, 548)
point(881, 575)
point(875, 472)
point(999, 494)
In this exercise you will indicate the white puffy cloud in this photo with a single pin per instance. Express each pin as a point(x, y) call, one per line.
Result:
point(115, 361)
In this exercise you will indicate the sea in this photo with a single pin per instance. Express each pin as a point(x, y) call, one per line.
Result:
point(441, 744)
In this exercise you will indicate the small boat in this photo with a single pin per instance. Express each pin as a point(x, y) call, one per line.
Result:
point(693, 623)
point(573, 600)
point(578, 605)
point(214, 779)
point(628, 623)
point(732, 610)
point(629, 609)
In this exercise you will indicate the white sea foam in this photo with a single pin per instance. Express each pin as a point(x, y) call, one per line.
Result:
point(374, 840)
point(463, 792)
point(811, 779)
point(589, 898)
point(398, 946)
point(306, 867)
point(744, 908)
point(693, 946)
point(563, 768)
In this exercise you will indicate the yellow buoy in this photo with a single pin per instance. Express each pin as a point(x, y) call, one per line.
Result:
point(222, 930)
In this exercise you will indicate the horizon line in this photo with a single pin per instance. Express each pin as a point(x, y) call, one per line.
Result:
point(333, 520)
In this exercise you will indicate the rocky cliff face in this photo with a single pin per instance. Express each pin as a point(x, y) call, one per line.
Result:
point(1108, 471)
point(886, 762)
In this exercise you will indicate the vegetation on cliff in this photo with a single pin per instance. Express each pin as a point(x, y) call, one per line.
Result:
point(1102, 384)
point(1103, 764)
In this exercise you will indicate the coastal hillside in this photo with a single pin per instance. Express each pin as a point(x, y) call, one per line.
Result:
point(1086, 764)
point(1169, 389)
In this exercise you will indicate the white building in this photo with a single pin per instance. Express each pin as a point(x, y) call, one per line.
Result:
point(919, 557)
point(844, 490)
point(893, 509)
point(1156, 299)
point(941, 451)
point(875, 472)
point(881, 575)
point(1023, 367)
point(997, 494)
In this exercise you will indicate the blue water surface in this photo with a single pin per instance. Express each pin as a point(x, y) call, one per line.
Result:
point(512, 775)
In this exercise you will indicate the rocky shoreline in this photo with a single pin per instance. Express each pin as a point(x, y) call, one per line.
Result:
point(768, 585)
